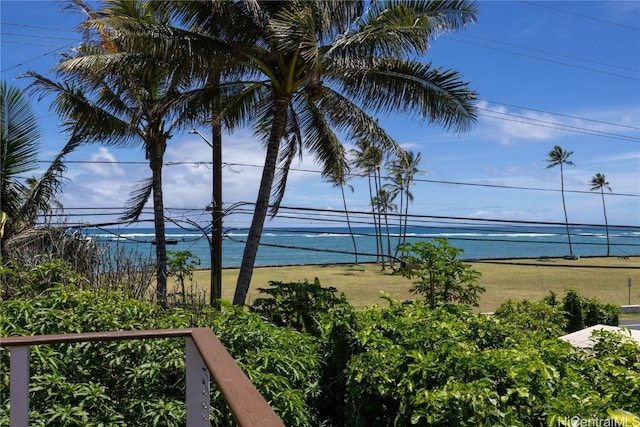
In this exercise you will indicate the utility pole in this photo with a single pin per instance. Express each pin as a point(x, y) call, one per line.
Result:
point(215, 243)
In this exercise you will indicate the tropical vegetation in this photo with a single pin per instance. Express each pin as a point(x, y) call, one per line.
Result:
point(24, 200)
point(306, 75)
point(322, 362)
point(137, 105)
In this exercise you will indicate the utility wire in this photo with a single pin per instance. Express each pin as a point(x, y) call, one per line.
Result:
point(39, 27)
point(561, 115)
point(360, 175)
point(547, 6)
point(561, 55)
point(553, 61)
point(555, 125)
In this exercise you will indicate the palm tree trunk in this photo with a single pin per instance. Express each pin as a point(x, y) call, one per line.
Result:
point(386, 225)
point(378, 186)
point(158, 220)
point(262, 202)
point(375, 222)
point(406, 216)
point(346, 212)
point(606, 223)
point(400, 212)
point(564, 207)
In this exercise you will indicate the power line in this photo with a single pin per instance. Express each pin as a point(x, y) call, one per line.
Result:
point(357, 175)
point(546, 6)
point(39, 27)
point(426, 232)
point(561, 115)
point(48, 37)
point(552, 125)
point(562, 55)
point(544, 59)
point(32, 59)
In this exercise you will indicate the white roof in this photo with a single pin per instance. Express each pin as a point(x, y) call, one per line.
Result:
point(582, 338)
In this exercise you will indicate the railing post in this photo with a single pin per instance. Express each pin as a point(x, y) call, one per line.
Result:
point(198, 388)
point(19, 386)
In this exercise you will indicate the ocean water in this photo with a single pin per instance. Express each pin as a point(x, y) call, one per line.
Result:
point(299, 246)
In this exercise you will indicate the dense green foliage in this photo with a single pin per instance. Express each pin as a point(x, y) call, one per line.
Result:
point(395, 365)
point(581, 312)
point(299, 305)
point(411, 364)
point(142, 382)
point(438, 273)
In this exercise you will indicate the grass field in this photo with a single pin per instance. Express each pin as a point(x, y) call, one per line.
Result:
point(602, 278)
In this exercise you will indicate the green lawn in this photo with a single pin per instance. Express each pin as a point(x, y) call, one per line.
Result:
point(602, 278)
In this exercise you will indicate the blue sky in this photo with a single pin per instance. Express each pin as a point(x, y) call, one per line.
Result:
point(547, 73)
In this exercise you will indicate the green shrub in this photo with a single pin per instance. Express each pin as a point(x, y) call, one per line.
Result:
point(582, 312)
point(411, 364)
point(298, 305)
point(439, 276)
point(143, 381)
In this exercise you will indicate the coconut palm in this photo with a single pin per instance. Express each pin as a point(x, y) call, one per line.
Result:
point(403, 171)
point(22, 201)
point(599, 182)
point(383, 202)
point(367, 158)
point(311, 69)
point(560, 157)
point(339, 179)
point(140, 104)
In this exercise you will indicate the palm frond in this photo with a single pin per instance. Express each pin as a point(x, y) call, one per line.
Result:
point(402, 28)
point(19, 139)
point(348, 118)
point(320, 138)
point(139, 197)
point(396, 86)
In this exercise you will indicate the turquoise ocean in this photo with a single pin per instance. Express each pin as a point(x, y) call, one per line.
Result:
point(331, 245)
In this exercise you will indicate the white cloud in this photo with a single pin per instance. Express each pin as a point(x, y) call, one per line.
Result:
point(104, 164)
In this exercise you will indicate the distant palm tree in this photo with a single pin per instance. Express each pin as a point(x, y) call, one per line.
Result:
point(339, 179)
point(599, 182)
point(403, 171)
point(384, 204)
point(367, 158)
point(556, 157)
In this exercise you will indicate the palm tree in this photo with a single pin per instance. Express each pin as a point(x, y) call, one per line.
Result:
point(22, 201)
point(556, 157)
point(403, 171)
point(312, 68)
point(140, 104)
point(384, 204)
point(340, 180)
point(366, 158)
point(599, 182)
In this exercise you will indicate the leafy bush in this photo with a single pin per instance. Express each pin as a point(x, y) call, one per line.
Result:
point(582, 312)
point(550, 320)
point(411, 364)
point(298, 305)
point(17, 282)
point(440, 276)
point(404, 364)
point(143, 381)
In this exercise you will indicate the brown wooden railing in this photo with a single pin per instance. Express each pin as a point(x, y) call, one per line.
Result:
point(205, 354)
